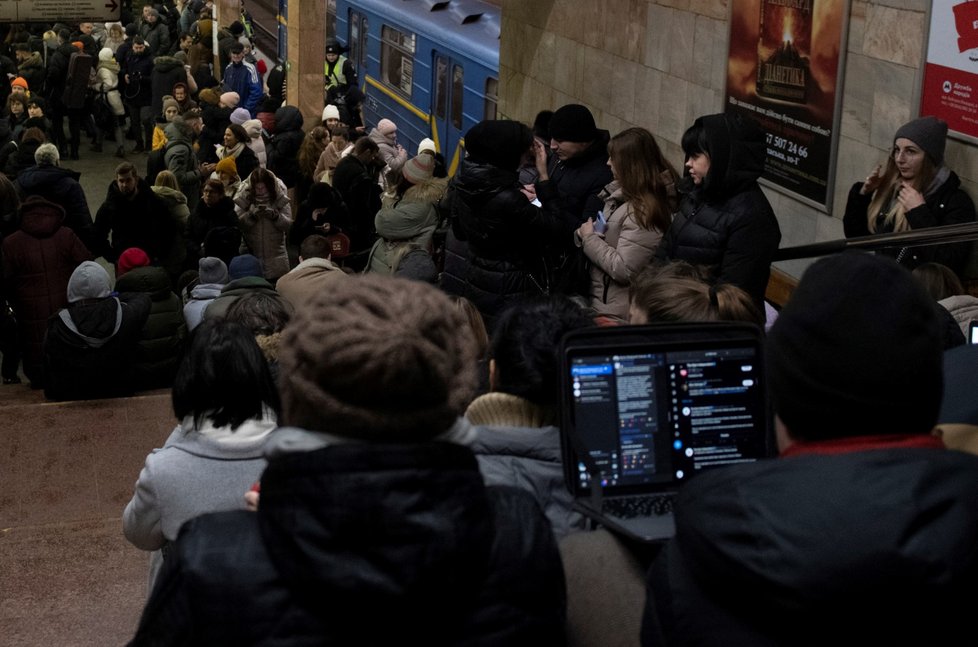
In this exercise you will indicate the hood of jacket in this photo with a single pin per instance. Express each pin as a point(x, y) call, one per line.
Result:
point(406, 220)
point(42, 223)
point(380, 138)
point(252, 127)
point(174, 133)
point(378, 524)
point(32, 62)
point(736, 157)
point(94, 323)
point(476, 182)
point(168, 195)
point(287, 118)
point(825, 535)
point(163, 64)
point(153, 281)
point(111, 65)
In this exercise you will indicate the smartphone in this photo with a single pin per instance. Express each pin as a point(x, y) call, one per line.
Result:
point(973, 333)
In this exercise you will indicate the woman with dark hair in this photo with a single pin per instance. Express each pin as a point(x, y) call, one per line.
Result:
point(638, 208)
point(507, 236)
point(235, 146)
point(916, 190)
point(309, 153)
point(264, 215)
point(227, 405)
point(517, 430)
point(16, 113)
point(214, 210)
point(724, 219)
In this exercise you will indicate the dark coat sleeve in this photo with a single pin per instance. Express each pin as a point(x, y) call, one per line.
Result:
point(953, 207)
point(854, 222)
point(751, 243)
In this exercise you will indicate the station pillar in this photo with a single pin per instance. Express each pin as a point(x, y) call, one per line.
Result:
point(304, 67)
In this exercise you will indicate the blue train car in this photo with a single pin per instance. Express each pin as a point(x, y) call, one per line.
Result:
point(430, 66)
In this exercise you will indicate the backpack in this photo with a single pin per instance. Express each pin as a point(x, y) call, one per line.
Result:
point(156, 161)
point(77, 82)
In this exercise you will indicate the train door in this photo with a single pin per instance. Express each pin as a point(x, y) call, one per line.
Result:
point(446, 112)
point(358, 42)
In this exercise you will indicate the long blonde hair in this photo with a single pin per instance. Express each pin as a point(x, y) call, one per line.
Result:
point(884, 200)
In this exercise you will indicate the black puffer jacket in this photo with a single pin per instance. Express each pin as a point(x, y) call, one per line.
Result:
point(361, 544)
point(580, 179)
point(946, 205)
point(727, 223)
point(60, 185)
point(860, 548)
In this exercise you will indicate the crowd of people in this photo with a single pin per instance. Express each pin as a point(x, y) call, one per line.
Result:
point(363, 357)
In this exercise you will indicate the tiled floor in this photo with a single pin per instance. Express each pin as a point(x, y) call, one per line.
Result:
point(67, 575)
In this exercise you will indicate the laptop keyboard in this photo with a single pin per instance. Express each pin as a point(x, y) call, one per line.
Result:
point(638, 506)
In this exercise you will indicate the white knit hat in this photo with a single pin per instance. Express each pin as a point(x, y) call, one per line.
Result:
point(426, 145)
point(331, 112)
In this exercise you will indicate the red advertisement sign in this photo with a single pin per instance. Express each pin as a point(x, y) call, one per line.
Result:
point(950, 88)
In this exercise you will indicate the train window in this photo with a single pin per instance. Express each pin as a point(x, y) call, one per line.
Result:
point(397, 59)
point(441, 86)
point(492, 97)
point(354, 37)
point(330, 18)
point(457, 89)
point(363, 43)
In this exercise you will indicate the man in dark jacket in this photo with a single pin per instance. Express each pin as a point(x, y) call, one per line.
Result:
point(725, 221)
point(579, 160)
point(154, 31)
point(90, 345)
point(59, 185)
point(137, 73)
point(242, 77)
point(374, 525)
point(167, 72)
point(865, 529)
point(283, 148)
point(54, 87)
point(134, 216)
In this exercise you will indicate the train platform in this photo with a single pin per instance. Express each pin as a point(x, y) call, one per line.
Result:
point(67, 574)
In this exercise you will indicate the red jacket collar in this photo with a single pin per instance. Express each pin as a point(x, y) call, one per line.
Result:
point(862, 443)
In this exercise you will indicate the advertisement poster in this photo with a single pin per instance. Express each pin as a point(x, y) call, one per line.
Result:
point(783, 70)
point(950, 90)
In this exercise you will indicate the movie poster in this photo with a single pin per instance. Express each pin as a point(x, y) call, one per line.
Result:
point(783, 70)
point(950, 88)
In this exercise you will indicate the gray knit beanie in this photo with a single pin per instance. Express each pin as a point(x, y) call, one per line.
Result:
point(377, 358)
point(212, 270)
point(930, 133)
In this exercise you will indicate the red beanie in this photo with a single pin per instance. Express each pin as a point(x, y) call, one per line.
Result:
point(130, 260)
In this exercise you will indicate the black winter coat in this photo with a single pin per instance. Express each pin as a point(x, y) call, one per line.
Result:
point(142, 222)
point(205, 218)
point(361, 544)
point(100, 366)
point(60, 185)
point(138, 89)
point(167, 72)
point(506, 235)
point(859, 548)
point(727, 222)
point(580, 179)
point(357, 185)
point(283, 148)
point(948, 205)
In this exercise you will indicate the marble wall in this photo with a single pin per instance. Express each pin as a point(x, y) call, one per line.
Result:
point(661, 63)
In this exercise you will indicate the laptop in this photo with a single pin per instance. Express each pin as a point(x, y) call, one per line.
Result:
point(646, 408)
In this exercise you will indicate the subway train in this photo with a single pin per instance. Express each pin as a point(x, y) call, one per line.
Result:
point(430, 66)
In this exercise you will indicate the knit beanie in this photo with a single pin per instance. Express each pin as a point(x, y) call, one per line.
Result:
point(418, 169)
point(227, 165)
point(130, 260)
point(498, 142)
point(426, 145)
point(857, 350)
point(209, 96)
point(105, 54)
point(573, 123)
point(386, 127)
point(88, 281)
point(930, 133)
point(239, 116)
point(230, 99)
point(244, 265)
point(331, 112)
point(205, 29)
point(960, 403)
point(212, 270)
point(181, 56)
point(20, 82)
point(170, 102)
point(377, 358)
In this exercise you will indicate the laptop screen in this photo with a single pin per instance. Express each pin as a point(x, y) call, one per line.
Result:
point(651, 415)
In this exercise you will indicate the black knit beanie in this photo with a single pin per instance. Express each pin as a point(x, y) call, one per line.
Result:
point(573, 123)
point(377, 358)
point(499, 142)
point(856, 351)
point(930, 133)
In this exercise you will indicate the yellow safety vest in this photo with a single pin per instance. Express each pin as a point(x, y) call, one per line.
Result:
point(336, 77)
